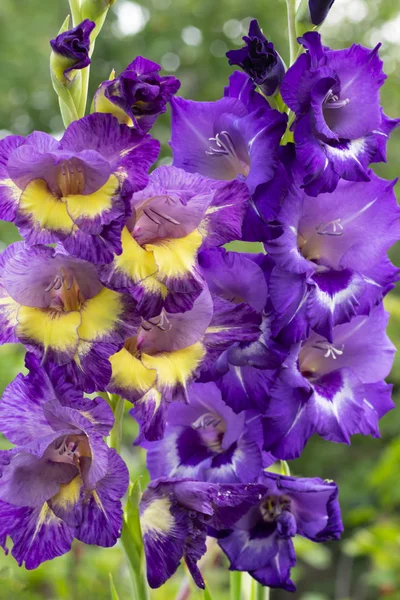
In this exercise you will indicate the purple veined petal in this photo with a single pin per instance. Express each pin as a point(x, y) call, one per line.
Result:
point(242, 87)
point(99, 249)
point(363, 346)
point(57, 167)
point(21, 410)
point(102, 511)
point(223, 219)
point(361, 76)
point(314, 503)
point(8, 306)
point(29, 480)
point(127, 151)
point(277, 574)
point(9, 191)
point(234, 277)
point(172, 205)
point(230, 323)
point(178, 330)
point(67, 503)
point(248, 550)
point(38, 535)
point(30, 273)
point(193, 131)
point(246, 387)
point(164, 536)
point(382, 136)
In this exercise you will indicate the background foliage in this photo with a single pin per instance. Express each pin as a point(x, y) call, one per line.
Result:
point(190, 38)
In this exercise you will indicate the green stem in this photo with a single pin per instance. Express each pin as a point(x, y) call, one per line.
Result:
point(116, 431)
point(137, 565)
point(75, 11)
point(291, 13)
point(258, 591)
point(235, 585)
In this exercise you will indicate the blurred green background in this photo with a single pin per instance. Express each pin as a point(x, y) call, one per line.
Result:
point(189, 38)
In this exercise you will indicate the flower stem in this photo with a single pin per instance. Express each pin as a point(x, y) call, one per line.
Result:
point(259, 592)
point(137, 567)
point(75, 8)
point(235, 585)
point(118, 405)
point(291, 13)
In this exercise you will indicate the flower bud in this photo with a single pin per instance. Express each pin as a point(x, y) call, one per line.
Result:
point(138, 95)
point(259, 60)
point(311, 14)
point(94, 9)
point(71, 51)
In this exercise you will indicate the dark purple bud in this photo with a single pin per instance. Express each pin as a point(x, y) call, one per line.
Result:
point(71, 50)
point(259, 60)
point(319, 10)
point(138, 95)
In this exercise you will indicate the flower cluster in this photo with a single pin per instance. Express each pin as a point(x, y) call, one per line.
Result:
point(231, 361)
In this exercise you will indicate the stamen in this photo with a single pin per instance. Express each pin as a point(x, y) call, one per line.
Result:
point(211, 428)
point(70, 179)
point(224, 143)
point(331, 100)
point(160, 214)
point(64, 292)
point(334, 228)
point(272, 506)
point(329, 349)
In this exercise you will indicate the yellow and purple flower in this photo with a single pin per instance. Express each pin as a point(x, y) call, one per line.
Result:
point(75, 190)
point(61, 481)
point(56, 305)
point(173, 217)
point(157, 365)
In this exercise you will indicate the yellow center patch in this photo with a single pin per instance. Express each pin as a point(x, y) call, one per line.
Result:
point(43, 208)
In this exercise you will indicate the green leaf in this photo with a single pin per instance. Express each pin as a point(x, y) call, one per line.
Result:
point(113, 590)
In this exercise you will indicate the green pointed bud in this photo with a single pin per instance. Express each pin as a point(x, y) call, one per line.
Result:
point(95, 9)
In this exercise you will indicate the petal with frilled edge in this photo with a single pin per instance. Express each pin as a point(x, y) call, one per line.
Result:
point(38, 535)
point(101, 522)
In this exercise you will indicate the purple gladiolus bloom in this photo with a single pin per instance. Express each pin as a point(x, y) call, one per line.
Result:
point(138, 95)
point(71, 50)
point(157, 365)
point(56, 305)
point(261, 542)
point(75, 190)
point(319, 10)
point(259, 60)
point(335, 389)
point(207, 441)
point(340, 127)
point(175, 515)
point(226, 139)
point(245, 371)
point(326, 268)
point(61, 481)
point(173, 217)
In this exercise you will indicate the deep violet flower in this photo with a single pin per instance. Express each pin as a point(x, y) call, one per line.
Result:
point(138, 95)
point(261, 541)
point(259, 60)
point(340, 126)
point(207, 441)
point(71, 51)
point(175, 515)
